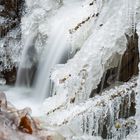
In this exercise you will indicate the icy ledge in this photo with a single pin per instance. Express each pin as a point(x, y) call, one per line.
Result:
point(65, 115)
point(98, 115)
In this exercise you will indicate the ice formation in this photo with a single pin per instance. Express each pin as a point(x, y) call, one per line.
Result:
point(10, 55)
point(100, 52)
point(97, 116)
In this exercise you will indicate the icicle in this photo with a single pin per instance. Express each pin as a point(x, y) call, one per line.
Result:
point(129, 102)
point(132, 16)
point(84, 125)
point(93, 127)
point(87, 124)
point(91, 123)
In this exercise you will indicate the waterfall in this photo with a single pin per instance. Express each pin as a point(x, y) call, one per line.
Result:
point(28, 62)
point(34, 69)
point(55, 53)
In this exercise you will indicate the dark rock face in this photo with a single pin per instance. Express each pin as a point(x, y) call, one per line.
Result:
point(130, 59)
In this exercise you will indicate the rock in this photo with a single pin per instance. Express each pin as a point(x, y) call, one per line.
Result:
point(130, 59)
point(25, 125)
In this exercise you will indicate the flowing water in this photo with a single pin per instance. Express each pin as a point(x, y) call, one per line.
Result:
point(56, 49)
point(28, 61)
point(33, 78)
point(55, 53)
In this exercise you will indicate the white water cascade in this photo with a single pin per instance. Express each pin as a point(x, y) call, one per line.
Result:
point(55, 53)
point(28, 61)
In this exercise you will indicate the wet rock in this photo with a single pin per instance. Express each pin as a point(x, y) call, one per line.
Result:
point(130, 59)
